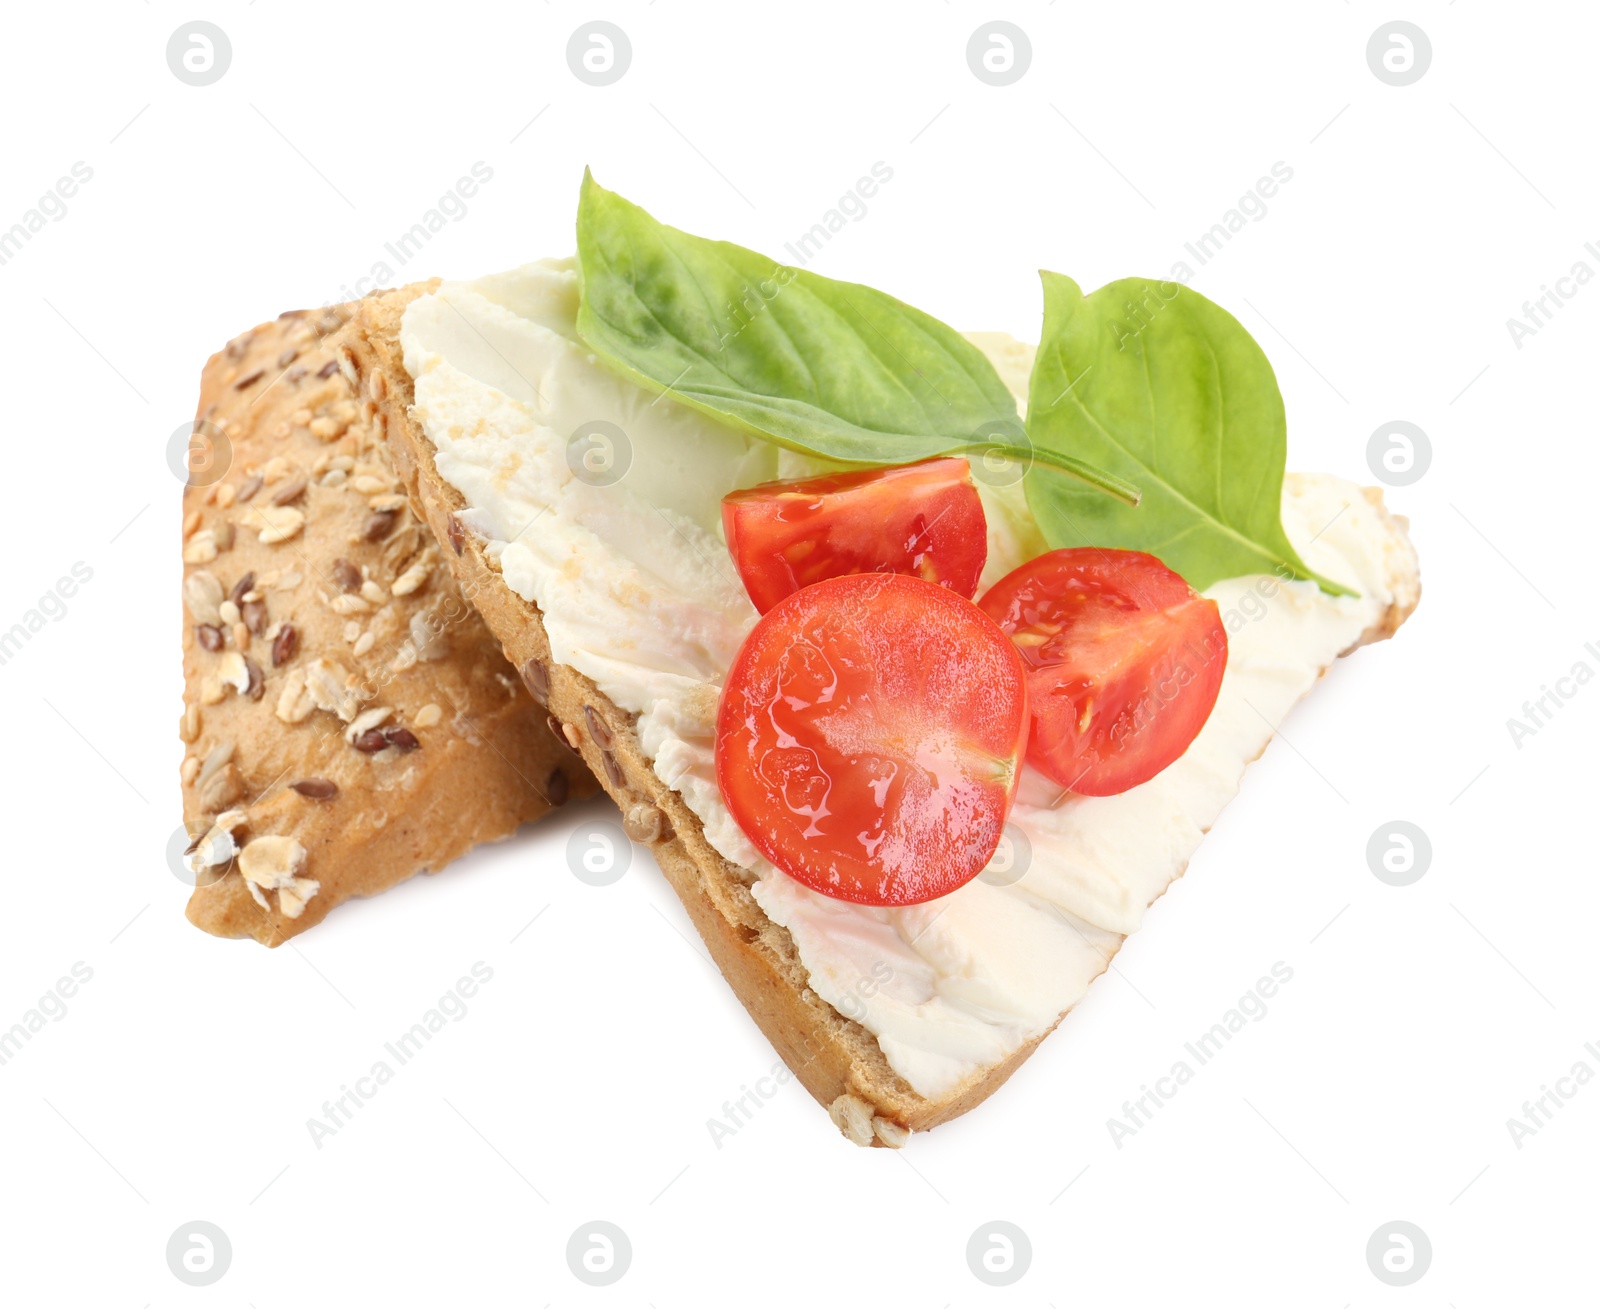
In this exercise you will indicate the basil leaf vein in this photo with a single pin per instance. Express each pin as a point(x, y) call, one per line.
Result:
point(830, 368)
point(1154, 383)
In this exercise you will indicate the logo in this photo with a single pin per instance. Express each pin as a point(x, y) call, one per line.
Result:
point(1399, 453)
point(1399, 1253)
point(1009, 863)
point(599, 853)
point(599, 453)
point(198, 453)
point(1399, 853)
point(999, 1253)
point(599, 53)
point(1399, 53)
point(199, 53)
point(199, 1253)
point(999, 53)
point(599, 1253)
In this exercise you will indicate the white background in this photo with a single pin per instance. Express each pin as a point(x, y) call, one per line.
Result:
point(578, 1086)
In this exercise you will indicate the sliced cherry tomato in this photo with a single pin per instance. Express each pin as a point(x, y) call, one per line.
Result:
point(870, 738)
point(1124, 663)
point(923, 520)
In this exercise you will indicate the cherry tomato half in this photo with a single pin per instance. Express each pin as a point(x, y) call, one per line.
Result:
point(924, 520)
point(1124, 663)
point(870, 738)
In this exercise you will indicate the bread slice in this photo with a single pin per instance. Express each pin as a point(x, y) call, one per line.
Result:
point(317, 611)
point(836, 1059)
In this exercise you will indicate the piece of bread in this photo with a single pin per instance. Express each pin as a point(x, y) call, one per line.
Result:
point(837, 1060)
point(348, 719)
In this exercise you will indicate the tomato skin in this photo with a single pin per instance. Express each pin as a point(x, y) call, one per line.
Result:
point(870, 738)
point(924, 520)
point(1124, 663)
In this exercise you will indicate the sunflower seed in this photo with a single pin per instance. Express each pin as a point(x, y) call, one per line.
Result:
point(204, 596)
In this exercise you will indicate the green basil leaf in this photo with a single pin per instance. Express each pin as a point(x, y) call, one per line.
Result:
point(830, 368)
point(1153, 382)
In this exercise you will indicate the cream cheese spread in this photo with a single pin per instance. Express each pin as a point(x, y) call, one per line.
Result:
point(618, 541)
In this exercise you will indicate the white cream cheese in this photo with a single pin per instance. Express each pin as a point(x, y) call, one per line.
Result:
point(637, 592)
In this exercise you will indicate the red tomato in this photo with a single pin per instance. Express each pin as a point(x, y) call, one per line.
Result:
point(923, 520)
point(1124, 663)
point(870, 738)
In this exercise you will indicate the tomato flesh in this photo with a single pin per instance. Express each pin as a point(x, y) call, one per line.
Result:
point(1124, 663)
point(870, 738)
point(923, 520)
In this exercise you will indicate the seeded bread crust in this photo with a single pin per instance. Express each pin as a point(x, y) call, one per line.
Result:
point(837, 1060)
point(318, 612)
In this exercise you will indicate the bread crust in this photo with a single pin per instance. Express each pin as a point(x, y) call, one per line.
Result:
point(836, 1059)
point(295, 452)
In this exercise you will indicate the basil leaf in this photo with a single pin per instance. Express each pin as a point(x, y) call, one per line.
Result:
point(830, 368)
point(1155, 383)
